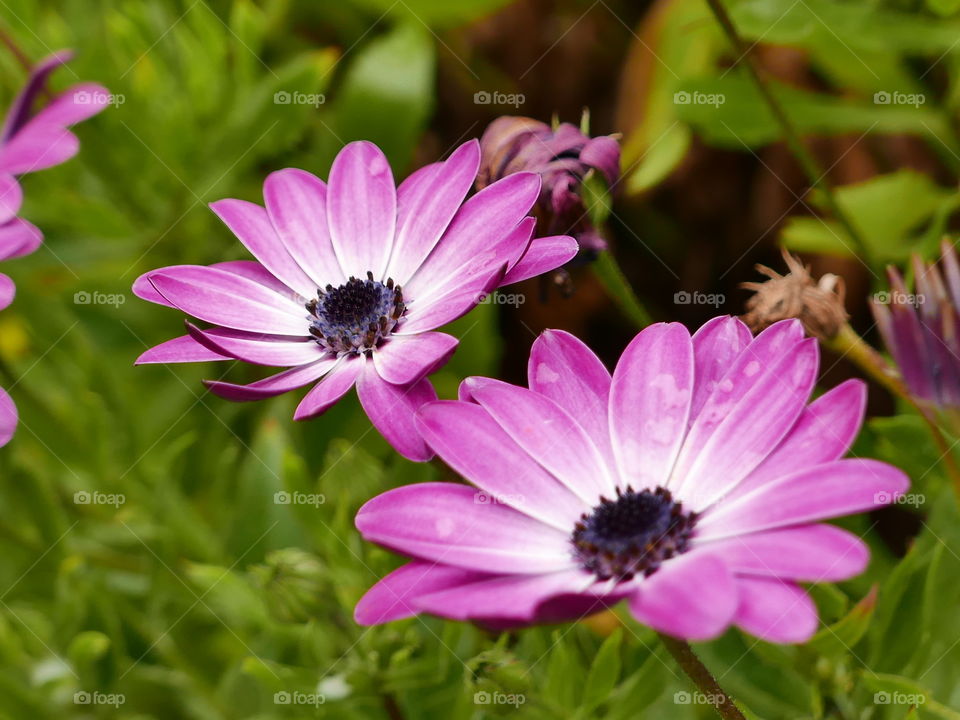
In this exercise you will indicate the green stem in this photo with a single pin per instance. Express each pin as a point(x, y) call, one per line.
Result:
point(810, 166)
point(618, 288)
point(701, 677)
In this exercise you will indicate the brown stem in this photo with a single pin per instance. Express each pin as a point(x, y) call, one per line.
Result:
point(701, 677)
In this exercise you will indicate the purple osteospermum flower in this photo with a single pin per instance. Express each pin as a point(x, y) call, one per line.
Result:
point(691, 484)
point(922, 330)
point(352, 279)
point(34, 141)
point(562, 157)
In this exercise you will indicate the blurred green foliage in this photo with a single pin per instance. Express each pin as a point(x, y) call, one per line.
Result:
point(151, 566)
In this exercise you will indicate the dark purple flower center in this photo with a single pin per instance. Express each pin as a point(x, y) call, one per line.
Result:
point(632, 534)
point(356, 316)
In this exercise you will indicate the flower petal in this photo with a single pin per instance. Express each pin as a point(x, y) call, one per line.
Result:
point(334, 385)
point(475, 446)
point(823, 433)
point(37, 148)
point(445, 523)
point(426, 206)
point(273, 385)
point(548, 434)
point(753, 424)
point(512, 597)
point(76, 103)
point(8, 291)
point(252, 226)
point(825, 491)
point(564, 369)
point(542, 255)
point(362, 209)
point(775, 611)
point(808, 553)
point(650, 402)
point(257, 349)
point(391, 409)
point(8, 417)
point(11, 197)
point(18, 238)
point(484, 222)
point(405, 359)
point(716, 345)
point(693, 597)
point(297, 205)
point(224, 298)
point(394, 596)
point(178, 350)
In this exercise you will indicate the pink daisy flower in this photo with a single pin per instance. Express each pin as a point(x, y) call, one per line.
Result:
point(352, 278)
point(691, 484)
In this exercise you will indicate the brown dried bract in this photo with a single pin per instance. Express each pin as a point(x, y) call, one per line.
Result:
point(818, 305)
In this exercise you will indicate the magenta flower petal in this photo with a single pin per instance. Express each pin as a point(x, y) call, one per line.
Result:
point(818, 493)
point(394, 597)
point(715, 347)
point(405, 359)
point(20, 109)
point(473, 444)
point(297, 205)
point(650, 403)
point(77, 103)
point(475, 283)
point(391, 409)
point(257, 349)
point(566, 451)
point(18, 238)
point(426, 206)
point(830, 553)
point(11, 197)
point(445, 523)
point(484, 599)
point(221, 297)
point(693, 597)
point(178, 350)
point(7, 291)
point(37, 148)
point(274, 385)
point(775, 611)
point(824, 432)
point(565, 370)
point(542, 255)
point(762, 404)
point(144, 289)
point(362, 209)
point(252, 226)
point(485, 219)
point(8, 417)
point(330, 389)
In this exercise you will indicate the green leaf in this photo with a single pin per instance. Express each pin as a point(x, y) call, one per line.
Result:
point(840, 637)
point(604, 671)
point(619, 289)
point(386, 95)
